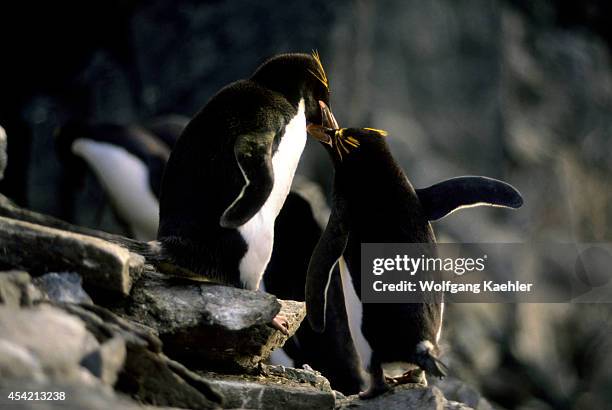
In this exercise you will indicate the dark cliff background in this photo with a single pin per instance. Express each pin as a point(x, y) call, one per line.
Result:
point(518, 90)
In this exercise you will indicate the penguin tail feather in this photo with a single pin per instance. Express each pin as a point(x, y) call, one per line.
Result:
point(151, 250)
point(432, 365)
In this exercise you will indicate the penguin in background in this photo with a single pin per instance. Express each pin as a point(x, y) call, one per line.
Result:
point(231, 170)
point(373, 201)
point(127, 161)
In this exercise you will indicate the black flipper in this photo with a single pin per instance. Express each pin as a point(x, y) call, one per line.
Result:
point(445, 197)
point(253, 153)
point(326, 254)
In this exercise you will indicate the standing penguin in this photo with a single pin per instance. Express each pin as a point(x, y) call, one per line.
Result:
point(128, 161)
point(231, 170)
point(374, 202)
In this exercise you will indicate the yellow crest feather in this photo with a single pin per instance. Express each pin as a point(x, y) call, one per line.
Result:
point(320, 72)
point(382, 133)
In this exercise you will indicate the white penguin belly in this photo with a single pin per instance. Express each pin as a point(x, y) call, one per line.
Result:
point(126, 179)
point(258, 232)
point(354, 310)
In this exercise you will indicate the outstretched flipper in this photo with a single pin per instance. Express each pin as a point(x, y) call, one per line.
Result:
point(326, 254)
point(447, 196)
point(253, 153)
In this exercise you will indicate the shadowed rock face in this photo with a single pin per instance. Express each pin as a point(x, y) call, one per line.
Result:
point(73, 346)
point(41, 249)
point(40, 357)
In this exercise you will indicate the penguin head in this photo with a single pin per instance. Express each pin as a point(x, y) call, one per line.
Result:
point(346, 143)
point(298, 76)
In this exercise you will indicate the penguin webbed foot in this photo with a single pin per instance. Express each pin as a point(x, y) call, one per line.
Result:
point(375, 390)
point(378, 384)
point(281, 324)
point(414, 376)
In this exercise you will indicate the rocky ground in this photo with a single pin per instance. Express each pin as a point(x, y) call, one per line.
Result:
point(83, 315)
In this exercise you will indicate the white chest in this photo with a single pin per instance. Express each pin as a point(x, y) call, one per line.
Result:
point(259, 231)
point(354, 311)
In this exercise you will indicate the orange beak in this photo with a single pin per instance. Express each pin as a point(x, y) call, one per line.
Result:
point(329, 123)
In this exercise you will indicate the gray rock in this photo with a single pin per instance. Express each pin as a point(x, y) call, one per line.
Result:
point(147, 374)
point(56, 343)
point(173, 303)
point(106, 362)
point(276, 387)
point(405, 397)
point(154, 378)
point(17, 362)
point(63, 287)
point(39, 248)
point(16, 289)
point(210, 325)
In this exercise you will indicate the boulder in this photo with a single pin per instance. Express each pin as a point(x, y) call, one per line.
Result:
point(41, 249)
point(275, 387)
point(147, 374)
point(208, 325)
point(86, 345)
point(405, 397)
point(45, 342)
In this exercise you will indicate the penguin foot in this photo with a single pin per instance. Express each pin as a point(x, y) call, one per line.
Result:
point(280, 323)
point(374, 391)
point(415, 376)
